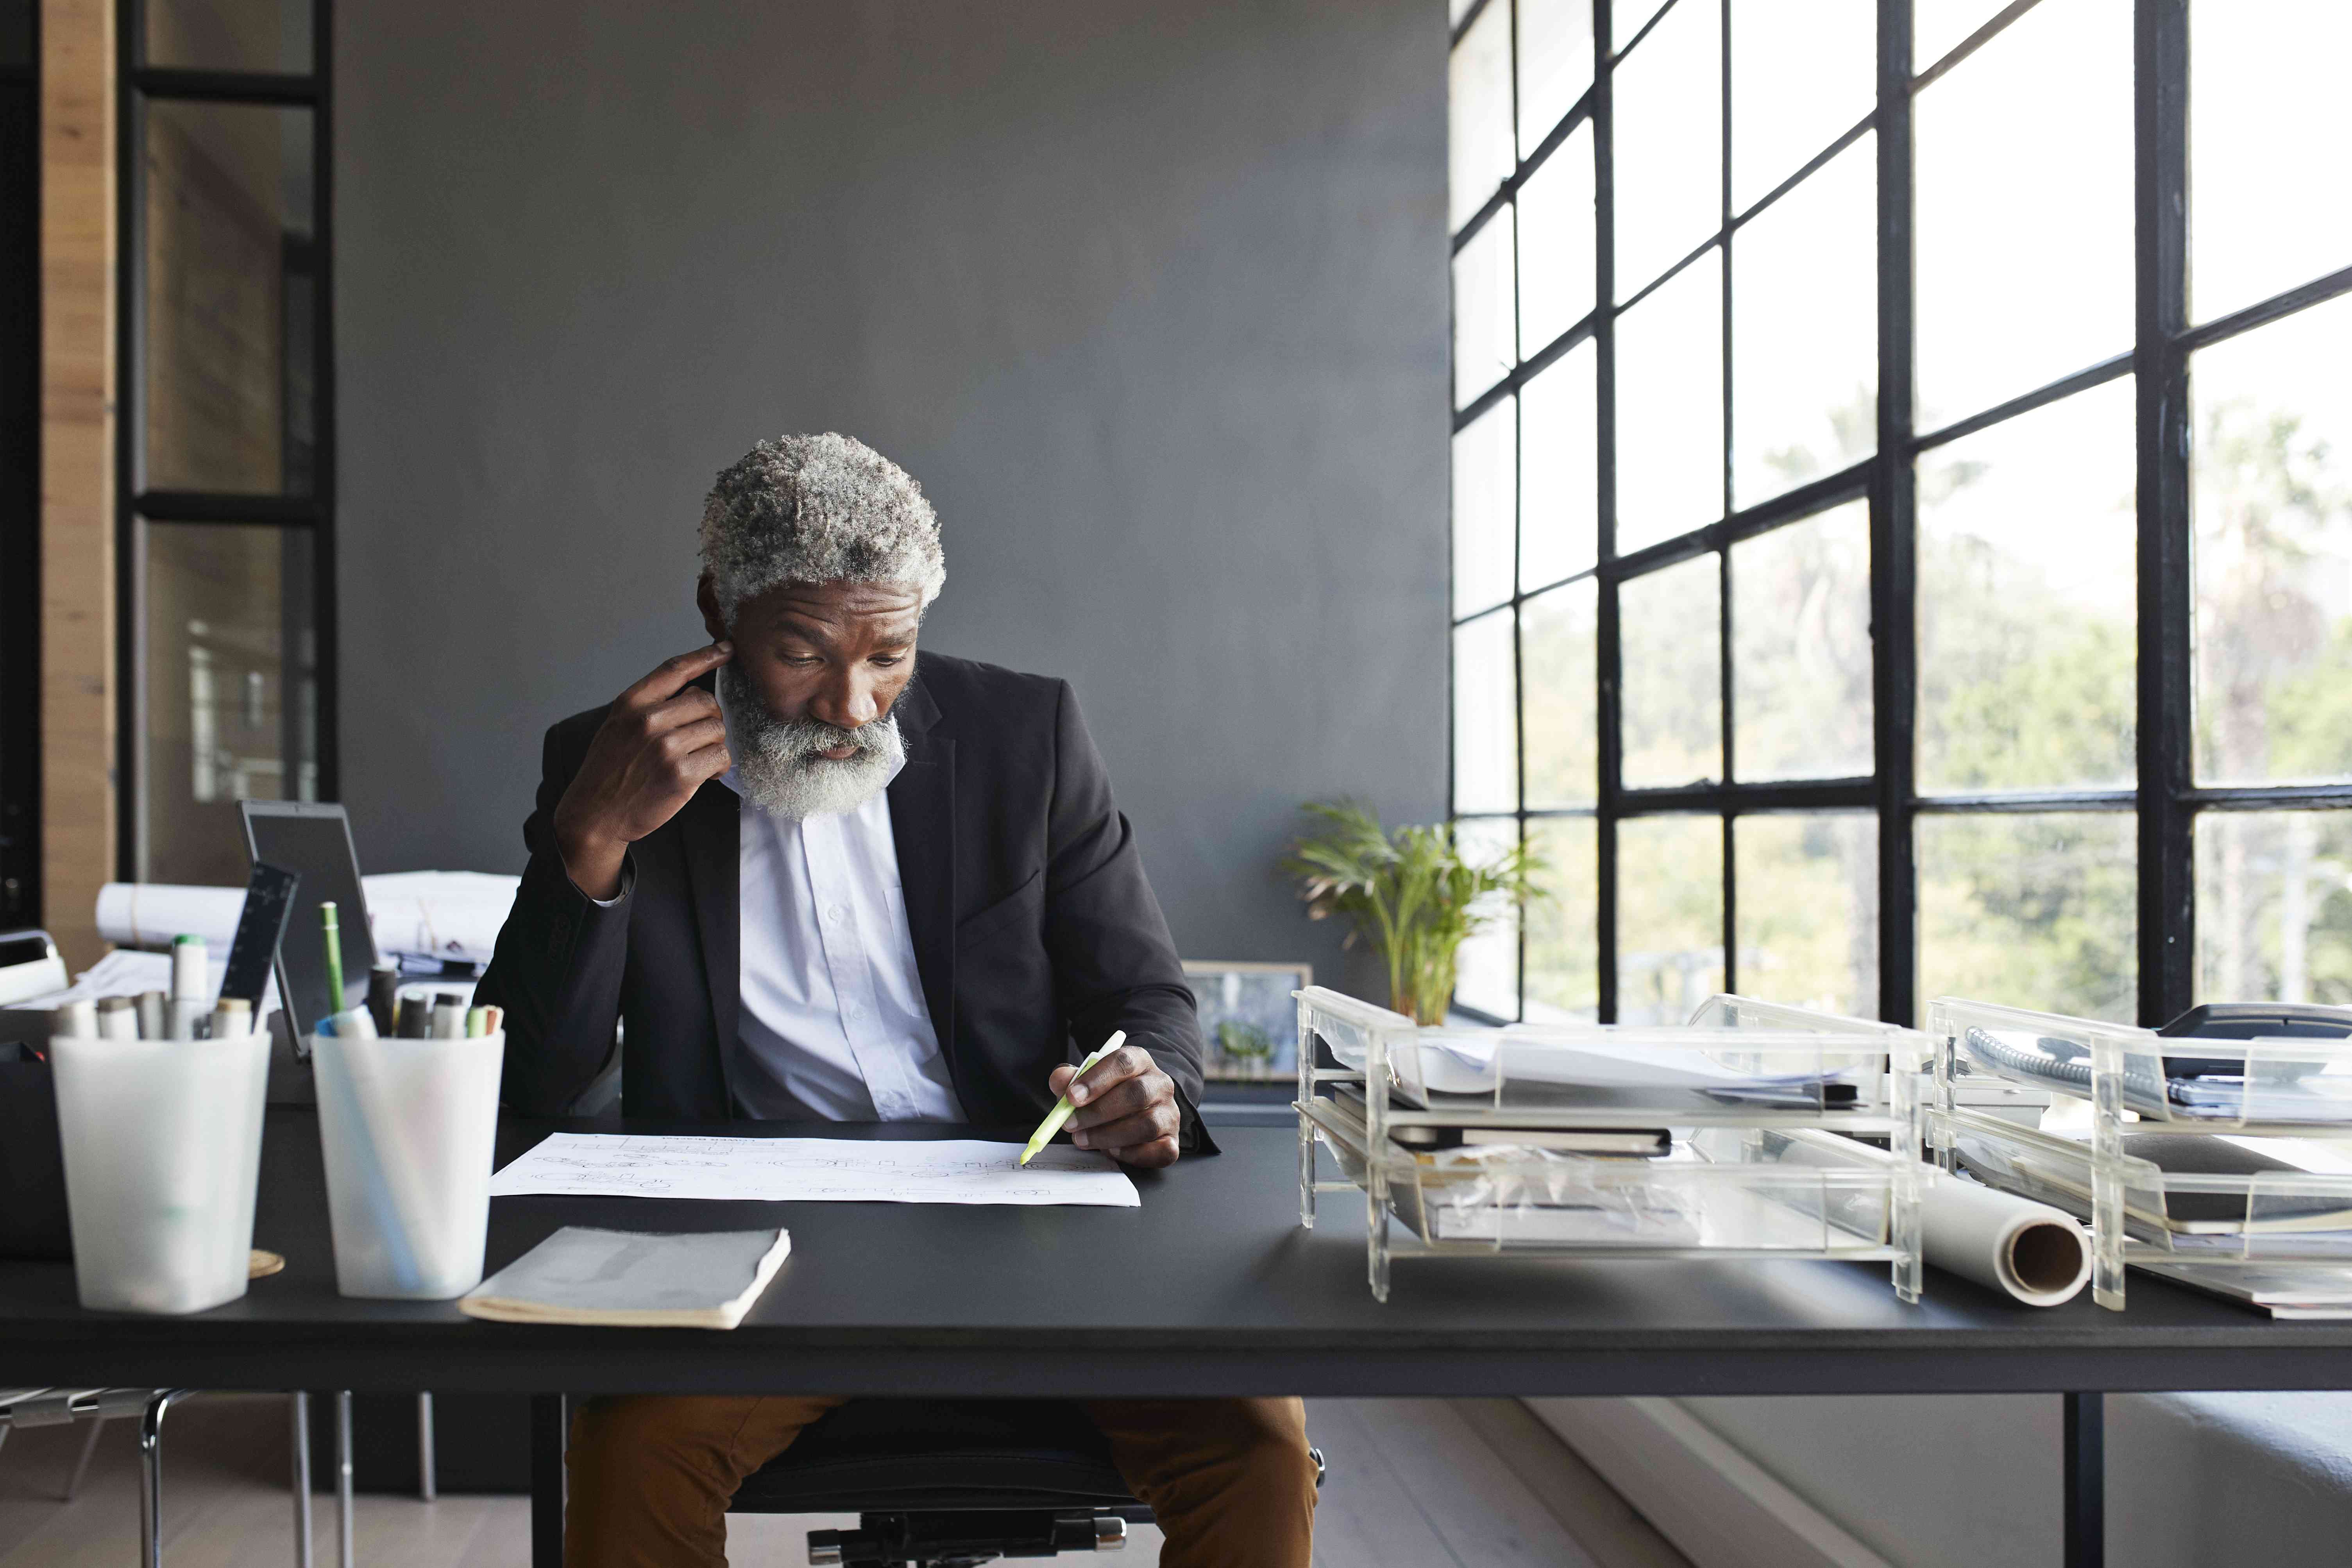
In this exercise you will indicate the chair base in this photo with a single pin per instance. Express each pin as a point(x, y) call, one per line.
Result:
point(963, 1538)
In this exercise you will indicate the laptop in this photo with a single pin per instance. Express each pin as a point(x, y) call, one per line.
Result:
point(313, 840)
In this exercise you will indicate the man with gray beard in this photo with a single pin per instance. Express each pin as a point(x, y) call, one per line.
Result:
point(812, 879)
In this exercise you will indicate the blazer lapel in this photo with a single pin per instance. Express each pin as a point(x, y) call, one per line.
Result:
point(707, 829)
point(922, 824)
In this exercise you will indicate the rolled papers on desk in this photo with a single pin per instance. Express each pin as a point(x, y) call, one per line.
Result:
point(2028, 1251)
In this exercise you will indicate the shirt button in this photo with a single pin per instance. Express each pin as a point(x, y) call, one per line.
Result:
point(834, 912)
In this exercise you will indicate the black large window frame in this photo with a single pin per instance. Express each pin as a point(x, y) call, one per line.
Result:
point(2166, 797)
point(141, 84)
point(20, 465)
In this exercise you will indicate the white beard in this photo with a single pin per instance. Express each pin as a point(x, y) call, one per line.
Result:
point(777, 763)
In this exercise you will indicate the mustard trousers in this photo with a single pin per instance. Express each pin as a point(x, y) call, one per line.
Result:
point(1229, 1480)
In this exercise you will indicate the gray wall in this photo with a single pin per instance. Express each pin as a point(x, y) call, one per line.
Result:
point(1149, 294)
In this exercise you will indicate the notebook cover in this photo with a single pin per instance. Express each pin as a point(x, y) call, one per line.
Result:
point(696, 1279)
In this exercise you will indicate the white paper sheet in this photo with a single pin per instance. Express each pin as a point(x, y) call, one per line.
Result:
point(813, 1170)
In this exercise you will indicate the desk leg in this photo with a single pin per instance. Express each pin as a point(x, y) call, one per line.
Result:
point(549, 1422)
point(2086, 1478)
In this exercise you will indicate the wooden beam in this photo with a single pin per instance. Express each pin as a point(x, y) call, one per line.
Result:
point(78, 399)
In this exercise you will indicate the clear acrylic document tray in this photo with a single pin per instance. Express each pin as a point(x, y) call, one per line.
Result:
point(1444, 1129)
point(2152, 1092)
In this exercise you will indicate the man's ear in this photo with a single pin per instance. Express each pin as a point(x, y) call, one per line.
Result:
point(708, 603)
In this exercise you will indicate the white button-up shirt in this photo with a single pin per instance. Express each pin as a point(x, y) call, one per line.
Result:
point(833, 1024)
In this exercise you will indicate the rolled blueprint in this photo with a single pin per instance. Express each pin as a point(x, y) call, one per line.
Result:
point(2028, 1251)
point(440, 914)
point(150, 914)
point(2033, 1253)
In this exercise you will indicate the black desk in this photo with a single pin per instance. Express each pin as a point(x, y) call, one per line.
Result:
point(1210, 1288)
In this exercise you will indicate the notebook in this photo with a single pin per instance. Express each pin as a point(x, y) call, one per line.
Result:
point(633, 1278)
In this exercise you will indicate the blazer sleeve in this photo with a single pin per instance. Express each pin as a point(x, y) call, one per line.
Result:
point(557, 966)
point(1114, 963)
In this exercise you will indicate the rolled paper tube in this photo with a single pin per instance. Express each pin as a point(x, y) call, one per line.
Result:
point(448, 1016)
point(118, 1018)
point(232, 1018)
point(75, 1021)
point(2029, 1252)
point(154, 1012)
point(415, 1018)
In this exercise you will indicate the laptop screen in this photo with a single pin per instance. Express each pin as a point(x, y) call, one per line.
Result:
point(314, 842)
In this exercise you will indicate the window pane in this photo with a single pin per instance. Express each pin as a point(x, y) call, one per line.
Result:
point(2266, 109)
point(1483, 311)
point(1484, 502)
point(230, 34)
point(1478, 114)
point(1669, 917)
point(1563, 929)
point(1555, 64)
point(2024, 235)
point(1670, 408)
point(1804, 321)
point(1808, 910)
point(1486, 721)
point(2026, 601)
point(1487, 970)
point(229, 691)
point(1669, 104)
point(2273, 911)
point(1939, 27)
point(1668, 641)
point(2272, 498)
point(1801, 651)
point(1559, 520)
point(1559, 655)
point(2033, 910)
point(1555, 243)
point(1801, 76)
point(230, 269)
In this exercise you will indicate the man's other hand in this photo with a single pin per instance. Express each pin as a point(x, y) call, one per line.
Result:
point(1125, 1108)
point(662, 739)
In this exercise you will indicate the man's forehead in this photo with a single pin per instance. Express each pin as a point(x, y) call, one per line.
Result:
point(834, 606)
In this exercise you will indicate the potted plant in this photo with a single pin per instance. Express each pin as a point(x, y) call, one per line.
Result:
point(1246, 1045)
point(1409, 894)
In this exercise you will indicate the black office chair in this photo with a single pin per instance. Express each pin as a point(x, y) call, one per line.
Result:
point(951, 1483)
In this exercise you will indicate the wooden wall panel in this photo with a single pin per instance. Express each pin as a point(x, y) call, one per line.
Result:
point(77, 393)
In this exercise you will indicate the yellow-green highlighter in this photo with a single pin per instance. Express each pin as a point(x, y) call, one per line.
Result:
point(1062, 1107)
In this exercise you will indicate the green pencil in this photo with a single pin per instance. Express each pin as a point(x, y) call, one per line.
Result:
point(1062, 1107)
point(335, 958)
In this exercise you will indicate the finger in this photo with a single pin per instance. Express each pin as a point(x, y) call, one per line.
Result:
point(1125, 1099)
point(683, 741)
point(1058, 1080)
point(1144, 1127)
point(1155, 1155)
point(1123, 1063)
point(666, 677)
point(686, 708)
point(707, 764)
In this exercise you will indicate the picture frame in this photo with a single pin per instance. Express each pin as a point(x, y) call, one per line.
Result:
point(1248, 1019)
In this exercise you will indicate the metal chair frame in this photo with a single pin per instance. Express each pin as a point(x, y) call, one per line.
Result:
point(62, 1406)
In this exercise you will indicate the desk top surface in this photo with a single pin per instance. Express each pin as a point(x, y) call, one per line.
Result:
point(1211, 1286)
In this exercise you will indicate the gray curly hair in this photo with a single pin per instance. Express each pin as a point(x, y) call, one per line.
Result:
point(817, 508)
